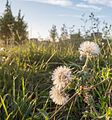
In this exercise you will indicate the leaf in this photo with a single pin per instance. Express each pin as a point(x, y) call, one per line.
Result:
point(4, 106)
point(44, 114)
point(23, 86)
point(109, 113)
point(9, 116)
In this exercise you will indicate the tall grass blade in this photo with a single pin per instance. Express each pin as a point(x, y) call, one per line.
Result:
point(4, 106)
point(44, 114)
point(23, 87)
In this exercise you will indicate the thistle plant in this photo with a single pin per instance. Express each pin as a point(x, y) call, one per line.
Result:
point(88, 49)
point(59, 97)
point(62, 77)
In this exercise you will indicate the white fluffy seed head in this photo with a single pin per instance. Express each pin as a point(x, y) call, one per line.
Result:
point(61, 77)
point(89, 48)
point(57, 96)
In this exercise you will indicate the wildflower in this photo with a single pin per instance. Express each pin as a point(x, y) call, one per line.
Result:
point(57, 96)
point(61, 77)
point(88, 48)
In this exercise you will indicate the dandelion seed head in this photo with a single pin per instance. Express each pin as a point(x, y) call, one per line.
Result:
point(57, 96)
point(89, 48)
point(61, 77)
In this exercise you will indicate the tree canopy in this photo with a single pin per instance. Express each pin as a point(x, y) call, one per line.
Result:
point(13, 29)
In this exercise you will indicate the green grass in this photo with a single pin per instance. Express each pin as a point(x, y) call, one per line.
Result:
point(25, 82)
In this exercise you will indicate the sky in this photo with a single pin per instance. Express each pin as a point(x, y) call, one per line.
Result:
point(42, 14)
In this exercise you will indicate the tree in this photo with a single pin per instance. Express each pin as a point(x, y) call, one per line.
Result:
point(6, 24)
point(53, 33)
point(20, 29)
point(12, 29)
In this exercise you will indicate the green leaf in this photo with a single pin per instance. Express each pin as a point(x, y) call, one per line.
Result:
point(109, 113)
point(4, 106)
point(44, 114)
point(23, 87)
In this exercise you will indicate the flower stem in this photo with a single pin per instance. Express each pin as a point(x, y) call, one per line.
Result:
point(86, 62)
point(74, 95)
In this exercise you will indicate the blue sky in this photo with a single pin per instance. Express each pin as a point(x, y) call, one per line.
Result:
point(42, 14)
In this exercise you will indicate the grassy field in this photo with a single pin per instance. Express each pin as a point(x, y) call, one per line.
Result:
point(25, 82)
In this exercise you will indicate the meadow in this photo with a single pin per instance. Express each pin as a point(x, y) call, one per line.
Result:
point(25, 81)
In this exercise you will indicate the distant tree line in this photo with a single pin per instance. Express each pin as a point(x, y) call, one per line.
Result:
point(92, 29)
point(13, 29)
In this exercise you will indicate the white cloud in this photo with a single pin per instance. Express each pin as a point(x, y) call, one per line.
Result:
point(100, 2)
point(69, 4)
point(55, 2)
point(82, 5)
